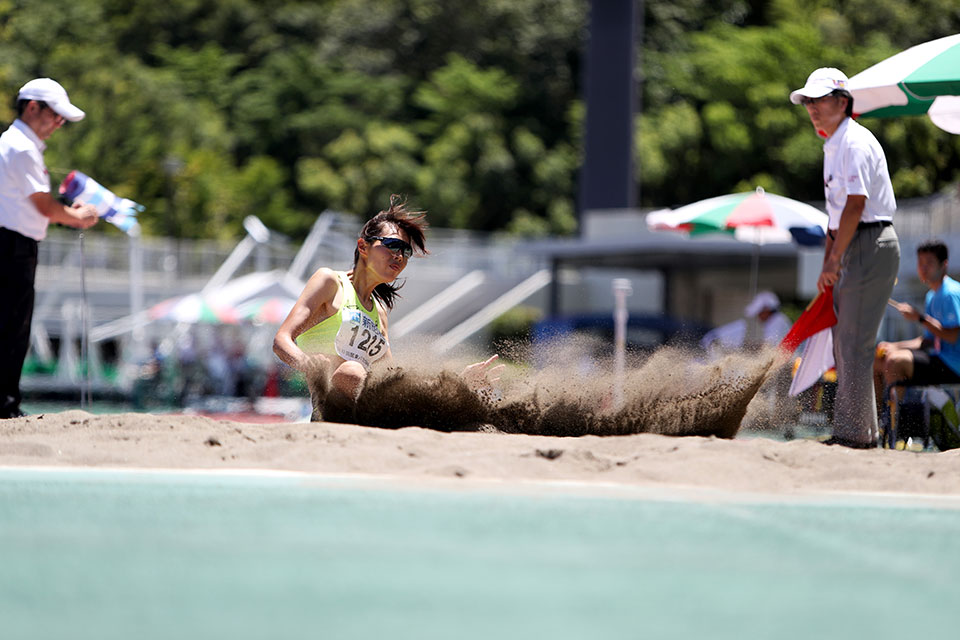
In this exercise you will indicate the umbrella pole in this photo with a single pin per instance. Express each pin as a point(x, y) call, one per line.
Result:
point(755, 271)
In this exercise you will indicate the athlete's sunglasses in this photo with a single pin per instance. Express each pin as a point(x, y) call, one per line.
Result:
point(396, 245)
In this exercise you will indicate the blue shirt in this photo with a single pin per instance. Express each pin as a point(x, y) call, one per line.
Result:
point(944, 305)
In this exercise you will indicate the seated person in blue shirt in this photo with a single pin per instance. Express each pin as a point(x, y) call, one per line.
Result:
point(933, 357)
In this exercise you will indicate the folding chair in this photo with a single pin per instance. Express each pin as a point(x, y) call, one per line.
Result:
point(910, 416)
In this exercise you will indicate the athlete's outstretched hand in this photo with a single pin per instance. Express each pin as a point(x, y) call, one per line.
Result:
point(481, 375)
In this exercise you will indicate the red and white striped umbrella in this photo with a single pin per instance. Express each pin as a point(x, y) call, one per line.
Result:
point(266, 310)
point(193, 309)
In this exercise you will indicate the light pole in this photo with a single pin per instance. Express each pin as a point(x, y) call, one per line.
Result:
point(621, 289)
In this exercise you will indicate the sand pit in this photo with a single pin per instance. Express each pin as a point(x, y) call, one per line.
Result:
point(678, 426)
point(762, 465)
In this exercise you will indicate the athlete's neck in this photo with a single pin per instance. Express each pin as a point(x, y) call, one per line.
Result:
point(364, 287)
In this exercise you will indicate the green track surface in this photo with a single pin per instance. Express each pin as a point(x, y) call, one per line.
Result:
point(120, 554)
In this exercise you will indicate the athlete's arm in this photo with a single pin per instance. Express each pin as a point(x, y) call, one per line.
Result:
point(315, 304)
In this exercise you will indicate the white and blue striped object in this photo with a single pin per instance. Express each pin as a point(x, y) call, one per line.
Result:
point(80, 188)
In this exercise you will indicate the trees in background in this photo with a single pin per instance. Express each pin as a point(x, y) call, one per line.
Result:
point(717, 117)
point(207, 111)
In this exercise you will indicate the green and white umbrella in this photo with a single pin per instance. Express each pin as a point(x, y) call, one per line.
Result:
point(922, 79)
point(756, 217)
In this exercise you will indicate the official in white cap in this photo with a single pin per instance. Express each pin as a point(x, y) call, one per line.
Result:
point(51, 93)
point(26, 209)
point(763, 323)
point(764, 309)
point(862, 252)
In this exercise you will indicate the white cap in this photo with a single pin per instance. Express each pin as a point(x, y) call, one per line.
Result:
point(763, 300)
point(53, 94)
point(820, 83)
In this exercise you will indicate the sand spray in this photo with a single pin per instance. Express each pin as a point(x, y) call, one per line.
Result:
point(570, 392)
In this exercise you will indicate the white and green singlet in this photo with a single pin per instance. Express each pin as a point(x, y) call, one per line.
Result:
point(353, 332)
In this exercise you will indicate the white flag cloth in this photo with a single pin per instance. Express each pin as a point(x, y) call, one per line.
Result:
point(816, 360)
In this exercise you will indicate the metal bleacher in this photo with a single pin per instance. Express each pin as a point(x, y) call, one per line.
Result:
point(467, 280)
point(171, 268)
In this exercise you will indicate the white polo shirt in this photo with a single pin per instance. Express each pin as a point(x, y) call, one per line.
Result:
point(854, 165)
point(22, 173)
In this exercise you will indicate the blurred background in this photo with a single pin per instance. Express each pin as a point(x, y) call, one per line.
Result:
point(537, 134)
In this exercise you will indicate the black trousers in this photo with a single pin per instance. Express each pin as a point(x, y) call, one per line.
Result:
point(18, 269)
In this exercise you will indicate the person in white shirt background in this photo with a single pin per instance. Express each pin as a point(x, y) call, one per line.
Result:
point(763, 323)
point(26, 209)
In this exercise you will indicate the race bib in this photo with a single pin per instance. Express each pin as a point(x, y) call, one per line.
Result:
point(359, 338)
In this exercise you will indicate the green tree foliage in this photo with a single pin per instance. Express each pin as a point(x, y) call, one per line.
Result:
point(207, 111)
point(716, 116)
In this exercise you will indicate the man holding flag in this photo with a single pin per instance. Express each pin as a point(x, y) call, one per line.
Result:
point(862, 253)
point(26, 209)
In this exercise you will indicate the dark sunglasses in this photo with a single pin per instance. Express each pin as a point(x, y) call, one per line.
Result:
point(43, 105)
point(395, 245)
point(805, 101)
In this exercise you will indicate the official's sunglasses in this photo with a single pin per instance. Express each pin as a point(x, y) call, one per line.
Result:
point(396, 245)
point(805, 100)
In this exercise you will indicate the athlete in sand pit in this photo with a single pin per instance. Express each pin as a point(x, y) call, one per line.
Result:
point(337, 330)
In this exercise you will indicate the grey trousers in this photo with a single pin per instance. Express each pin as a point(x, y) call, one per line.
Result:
point(868, 272)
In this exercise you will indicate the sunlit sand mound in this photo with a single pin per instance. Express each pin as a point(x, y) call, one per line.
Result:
point(670, 393)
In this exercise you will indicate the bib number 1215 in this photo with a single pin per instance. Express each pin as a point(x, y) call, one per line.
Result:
point(369, 342)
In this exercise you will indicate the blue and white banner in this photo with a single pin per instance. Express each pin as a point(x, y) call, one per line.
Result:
point(122, 212)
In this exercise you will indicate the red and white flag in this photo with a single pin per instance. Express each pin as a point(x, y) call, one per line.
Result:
point(813, 325)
